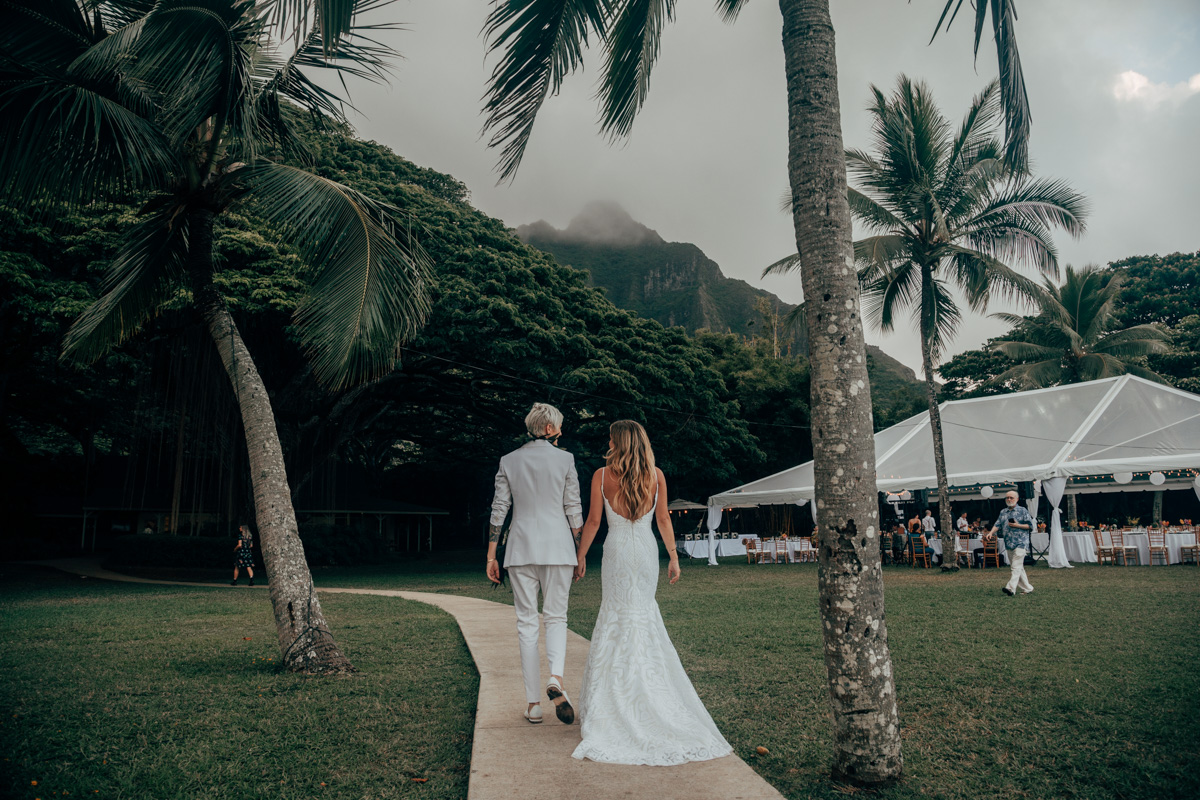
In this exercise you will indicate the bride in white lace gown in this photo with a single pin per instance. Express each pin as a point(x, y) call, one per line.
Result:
point(637, 705)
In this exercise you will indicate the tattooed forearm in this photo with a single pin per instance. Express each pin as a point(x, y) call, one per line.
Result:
point(577, 533)
point(494, 535)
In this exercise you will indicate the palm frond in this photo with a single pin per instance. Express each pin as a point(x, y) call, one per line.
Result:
point(66, 136)
point(785, 264)
point(982, 278)
point(1135, 342)
point(1024, 351)
point(66, 142)
point(355, 54)
point(1009, 237)
point(542, 42)
point(729, 9)
point(334, 18)
point(873, 214)
point(795, 319)
point(1018, 119)
point(1096, 366)
point(875, 255)
point(1047, 201)
point(632, 48)
point(937, 316)
point(370, 287)
point(888, 293)
point(1035, 375)
point(976, 129)
point(144, 274)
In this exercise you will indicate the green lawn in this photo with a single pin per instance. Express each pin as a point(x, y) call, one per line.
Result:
point(1085, 689)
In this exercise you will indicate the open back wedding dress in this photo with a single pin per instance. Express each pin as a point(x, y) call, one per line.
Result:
point(637, 705)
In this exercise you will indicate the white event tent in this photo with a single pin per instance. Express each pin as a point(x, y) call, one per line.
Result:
point(1084, 437)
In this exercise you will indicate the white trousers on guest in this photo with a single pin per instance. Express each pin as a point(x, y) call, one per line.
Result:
point(555, 584)
point(1019, 580)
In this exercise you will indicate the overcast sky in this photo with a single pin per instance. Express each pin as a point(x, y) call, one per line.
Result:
point(1114, 87)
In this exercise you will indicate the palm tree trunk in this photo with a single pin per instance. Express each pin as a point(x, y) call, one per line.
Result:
point(304, 638)
point(850, 580)
point(945, 516)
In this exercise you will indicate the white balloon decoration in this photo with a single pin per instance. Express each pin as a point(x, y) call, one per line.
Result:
point(1122, 477)
point(986, 491)
point(1157, 478)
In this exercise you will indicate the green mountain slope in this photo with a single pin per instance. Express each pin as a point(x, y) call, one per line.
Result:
point(676, 284)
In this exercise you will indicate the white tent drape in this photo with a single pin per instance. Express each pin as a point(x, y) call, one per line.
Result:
point(714, 522)
point(1057, 557)
point(1032, 503)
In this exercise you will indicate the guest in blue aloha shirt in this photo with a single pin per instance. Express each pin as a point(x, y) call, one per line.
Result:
point(1014, 524)
point(243, 554)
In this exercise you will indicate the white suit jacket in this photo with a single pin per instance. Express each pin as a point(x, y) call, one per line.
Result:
point(538, 481)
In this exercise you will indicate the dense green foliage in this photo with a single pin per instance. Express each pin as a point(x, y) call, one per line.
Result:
point(508, 326)
point(676, 284)
point(1076, 340)
point(1162, 290)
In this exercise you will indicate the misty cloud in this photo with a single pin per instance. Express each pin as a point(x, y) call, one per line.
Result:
point(1134, 86)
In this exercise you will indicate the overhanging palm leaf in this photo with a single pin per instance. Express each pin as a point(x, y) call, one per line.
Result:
point(542, 43)
point(369, 292)
point(147, 271)
point(632, 49)
point(1018, 119)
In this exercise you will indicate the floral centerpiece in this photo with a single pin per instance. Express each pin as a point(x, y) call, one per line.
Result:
point(1134, 521)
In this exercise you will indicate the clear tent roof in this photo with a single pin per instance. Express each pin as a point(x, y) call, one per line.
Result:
point(1121, 424)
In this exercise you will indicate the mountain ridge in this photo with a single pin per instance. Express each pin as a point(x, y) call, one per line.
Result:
point(677, 284)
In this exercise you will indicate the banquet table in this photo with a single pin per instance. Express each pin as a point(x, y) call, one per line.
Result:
point(698, 548)
point(1140, 539)
point(977, 544)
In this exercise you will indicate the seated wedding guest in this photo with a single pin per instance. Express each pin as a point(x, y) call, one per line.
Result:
point(914, 546)
point(899, 541)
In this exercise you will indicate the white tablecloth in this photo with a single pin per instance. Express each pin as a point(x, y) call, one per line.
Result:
point(977, 544)
point(1141, 540)
point(698, 548)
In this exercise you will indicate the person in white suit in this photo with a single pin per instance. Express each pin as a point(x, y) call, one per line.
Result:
point(539, 482)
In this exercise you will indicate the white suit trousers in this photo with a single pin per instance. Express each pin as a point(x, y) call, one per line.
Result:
point(554, 580)
point(1019, 580)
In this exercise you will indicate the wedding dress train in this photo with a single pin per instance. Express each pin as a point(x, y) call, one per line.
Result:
point(637, 705)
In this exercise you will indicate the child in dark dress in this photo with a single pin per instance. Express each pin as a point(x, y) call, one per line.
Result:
point(243, 554)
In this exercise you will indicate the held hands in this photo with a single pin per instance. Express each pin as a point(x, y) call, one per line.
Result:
point(580, 568)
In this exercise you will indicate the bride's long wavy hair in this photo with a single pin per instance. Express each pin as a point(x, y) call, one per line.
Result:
point(631, 462)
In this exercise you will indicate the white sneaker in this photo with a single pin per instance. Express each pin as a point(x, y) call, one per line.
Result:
point(562, 703)
point(534, 714)
point(1027, 591)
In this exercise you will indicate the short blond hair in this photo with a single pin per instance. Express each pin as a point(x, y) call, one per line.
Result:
point(541, 415)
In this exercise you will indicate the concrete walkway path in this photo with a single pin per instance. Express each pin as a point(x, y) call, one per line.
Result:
point(511, 759)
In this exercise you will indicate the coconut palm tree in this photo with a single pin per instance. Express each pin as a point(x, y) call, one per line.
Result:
point(540, 43)
point(946, 211)
point(180, 102)
point(1073, 341)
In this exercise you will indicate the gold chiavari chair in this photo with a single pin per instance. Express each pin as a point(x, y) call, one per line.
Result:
point(991, 551)
point(964, 549)
point(1190, 553)
point(1124, 551)
point(1158, 545)
point(1104, 552)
